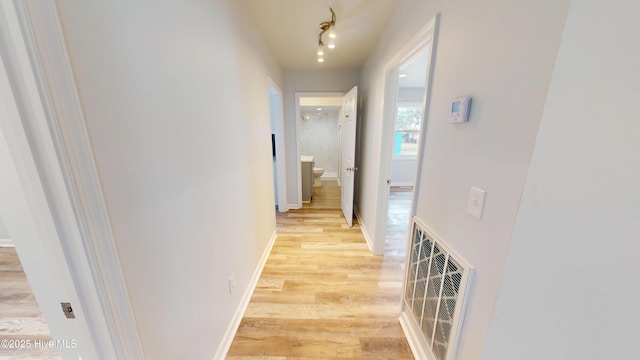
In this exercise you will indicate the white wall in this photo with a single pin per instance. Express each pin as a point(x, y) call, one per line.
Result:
point(403, 171)
point(5, 240)
point(319, 137)
point(307, 81)
point(501, 53)
point(570, 283)
point(4, 233)
point(176, 99)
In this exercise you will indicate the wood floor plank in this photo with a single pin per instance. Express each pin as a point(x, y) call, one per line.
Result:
point(20, 316)
point(326, 196)
point(323, 295)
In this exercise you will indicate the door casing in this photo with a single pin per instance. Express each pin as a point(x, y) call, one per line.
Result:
point(299, 95)
point(62, 231)
point(425, 39)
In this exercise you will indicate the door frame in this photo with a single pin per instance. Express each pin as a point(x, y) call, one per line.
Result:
point(299, 95)
point(49, 150)
point(425, 39)
point(281, 160)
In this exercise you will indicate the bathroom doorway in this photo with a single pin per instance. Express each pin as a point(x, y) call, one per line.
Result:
point(319, 140)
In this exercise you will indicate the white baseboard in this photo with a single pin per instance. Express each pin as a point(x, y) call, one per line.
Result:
point(227, 339)
point(294, 206)
point(414, 336)
point(363, 229)
point(6, 243)
point(402, 183)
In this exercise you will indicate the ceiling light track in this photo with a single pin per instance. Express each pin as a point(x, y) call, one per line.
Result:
point(327, 26)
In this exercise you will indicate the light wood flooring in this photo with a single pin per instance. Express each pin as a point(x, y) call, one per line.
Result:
point(323, 295)
point(326, 196)
point(398, 218)
point(20, 316)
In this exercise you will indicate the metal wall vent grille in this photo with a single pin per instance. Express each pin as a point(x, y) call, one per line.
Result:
point(435, 291)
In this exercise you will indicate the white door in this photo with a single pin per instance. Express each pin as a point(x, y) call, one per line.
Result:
point(348, 152)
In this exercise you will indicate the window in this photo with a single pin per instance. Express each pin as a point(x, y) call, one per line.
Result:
point(407, 129)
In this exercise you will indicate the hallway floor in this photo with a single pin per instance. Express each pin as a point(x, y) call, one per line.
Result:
point(20, 316)
point(398, 219)
point(323, 295)
point(326, 196)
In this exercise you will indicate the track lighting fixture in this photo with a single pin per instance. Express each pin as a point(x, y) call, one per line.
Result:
point(327, 26)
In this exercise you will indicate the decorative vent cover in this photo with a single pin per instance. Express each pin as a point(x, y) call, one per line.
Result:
point(436, 289)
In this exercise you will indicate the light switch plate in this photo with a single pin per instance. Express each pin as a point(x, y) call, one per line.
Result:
point(475, 203)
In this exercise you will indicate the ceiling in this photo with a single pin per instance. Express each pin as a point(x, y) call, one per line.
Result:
point(291, 27)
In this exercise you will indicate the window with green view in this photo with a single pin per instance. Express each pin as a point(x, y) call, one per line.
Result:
point(407, 129)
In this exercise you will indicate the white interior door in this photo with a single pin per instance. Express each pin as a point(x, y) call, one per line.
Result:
point(348, 152)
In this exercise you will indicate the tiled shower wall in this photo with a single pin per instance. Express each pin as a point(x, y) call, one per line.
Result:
point(319, 137)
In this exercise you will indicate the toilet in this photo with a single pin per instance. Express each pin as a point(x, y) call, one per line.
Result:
point(317, 173)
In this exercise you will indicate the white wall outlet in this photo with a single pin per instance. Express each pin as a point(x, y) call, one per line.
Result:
point(475, 203)
point(232, 283)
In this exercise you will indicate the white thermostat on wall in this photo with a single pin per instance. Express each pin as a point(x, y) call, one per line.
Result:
point(459, 110)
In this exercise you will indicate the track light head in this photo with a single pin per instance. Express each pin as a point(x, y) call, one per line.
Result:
point(327, 26)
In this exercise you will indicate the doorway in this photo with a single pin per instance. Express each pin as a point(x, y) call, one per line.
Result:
point(319, 139)
point(406, 103)
point(341, 153)
point(407, 126)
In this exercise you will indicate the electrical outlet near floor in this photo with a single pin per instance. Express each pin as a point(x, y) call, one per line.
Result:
point(232, 283)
